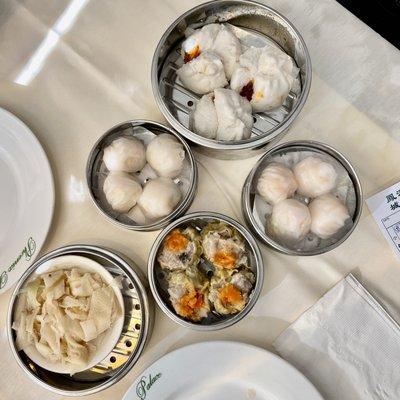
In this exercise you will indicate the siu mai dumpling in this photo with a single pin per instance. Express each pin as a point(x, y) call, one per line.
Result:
point(230, 293)
point(188, 296)
point(180, 250)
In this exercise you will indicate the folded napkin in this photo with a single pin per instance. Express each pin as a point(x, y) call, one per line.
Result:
point(347, 345)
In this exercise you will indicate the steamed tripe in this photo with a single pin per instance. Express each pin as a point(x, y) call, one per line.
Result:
point(264, 76)
point(217, 38)
point(63, 315)
point(223, 115)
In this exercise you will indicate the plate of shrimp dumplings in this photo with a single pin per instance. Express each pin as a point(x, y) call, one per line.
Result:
point(141, 175)
point(302, 198)
point(204, 271)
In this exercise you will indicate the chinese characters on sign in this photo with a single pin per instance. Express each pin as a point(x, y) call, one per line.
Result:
point(385, 208)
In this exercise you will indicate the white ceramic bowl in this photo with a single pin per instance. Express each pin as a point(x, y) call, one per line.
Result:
point(104, 342)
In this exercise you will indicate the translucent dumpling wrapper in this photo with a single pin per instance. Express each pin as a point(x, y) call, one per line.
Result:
point(188, 296)
point(314, 176)
point(217, 38)
point(122, 191)
point(125, 154)
point(225, 115)
point(290, 221)
point(328, 215)
point(203, 74)
point(264, 76)
point(64, 328)
point(276, 183)
point(224, 246)
point(229, 293)
point(180, 250)
point(159, 198)
point(166, 154)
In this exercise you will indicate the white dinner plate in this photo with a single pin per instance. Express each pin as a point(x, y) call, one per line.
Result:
point(221, 371)
point(26, 198)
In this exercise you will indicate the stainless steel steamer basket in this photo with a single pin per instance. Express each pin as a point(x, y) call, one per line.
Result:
point(256, 264)
point(138, 325)
point(95, 168)
point(249, 189)
point(249, 19)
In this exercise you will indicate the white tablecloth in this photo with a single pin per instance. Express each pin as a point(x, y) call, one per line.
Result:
point(98, 74)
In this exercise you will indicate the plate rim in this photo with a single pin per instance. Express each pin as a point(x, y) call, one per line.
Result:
point(50, 177)
point(129, 394)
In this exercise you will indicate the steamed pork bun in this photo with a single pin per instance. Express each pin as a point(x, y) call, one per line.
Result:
point(227, 117)
point(328, 215)
point(125, 154)
point(290, 220)
point(203, 74)
point(122, 191)
point(314, 176)
point(205, 118)
point(276, 183)
point(159, 198)
point(166, 154)
point(217, 38)
point(264, 76)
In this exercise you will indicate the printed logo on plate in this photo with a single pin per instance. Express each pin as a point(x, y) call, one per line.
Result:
point(27, 253)
point(145, 384)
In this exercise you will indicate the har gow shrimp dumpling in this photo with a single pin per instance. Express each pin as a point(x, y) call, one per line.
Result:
point(203, 74)
point(166, 155)
point(125, 154)
point(290, 220)
point(159, 198)
point(122, 191)
point(328, 215)
point(276, 183)
point(314, 176)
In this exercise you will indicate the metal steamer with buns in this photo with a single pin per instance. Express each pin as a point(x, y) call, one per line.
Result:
point(255, 25)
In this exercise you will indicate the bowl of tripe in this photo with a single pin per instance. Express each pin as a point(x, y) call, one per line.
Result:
point(68, 315)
